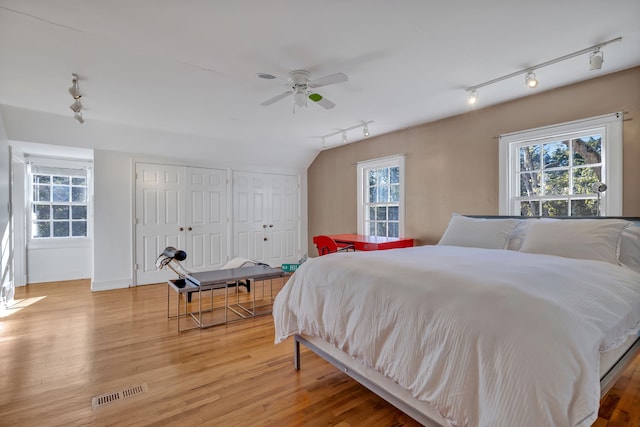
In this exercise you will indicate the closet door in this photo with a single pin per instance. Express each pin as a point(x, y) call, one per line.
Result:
point(160, 217)
point(183, 207)
point(249, 216)
point(206, 231)
point(265, 217)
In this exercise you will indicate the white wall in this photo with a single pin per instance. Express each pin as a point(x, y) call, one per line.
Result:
point(56, 262)
point(112, 220)
point(18, 202)
point(6, 235)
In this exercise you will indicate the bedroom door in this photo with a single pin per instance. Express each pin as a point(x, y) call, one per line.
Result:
point(182, 207)
point(265, 217)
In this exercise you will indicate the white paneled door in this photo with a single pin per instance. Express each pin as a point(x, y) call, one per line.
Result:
point(181, 207)
point(265, 217)
point(207, 219)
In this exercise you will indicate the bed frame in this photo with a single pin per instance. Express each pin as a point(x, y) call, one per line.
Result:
point(422, 412)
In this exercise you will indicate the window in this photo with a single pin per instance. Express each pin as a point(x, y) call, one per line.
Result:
point(59, 208)
point(381, 197)
point(553, 171)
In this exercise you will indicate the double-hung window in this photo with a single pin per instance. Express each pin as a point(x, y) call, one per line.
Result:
point(59, 201)
point(571, 169)
point(381, 197)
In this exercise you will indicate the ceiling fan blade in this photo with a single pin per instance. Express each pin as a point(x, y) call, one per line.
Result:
point(266, 76)
point(321, 100)
point(329, 80)
point(277, 98)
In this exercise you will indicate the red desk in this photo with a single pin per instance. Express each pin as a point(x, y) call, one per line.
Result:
point(370, 243)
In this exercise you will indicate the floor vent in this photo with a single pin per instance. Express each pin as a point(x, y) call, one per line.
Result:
point(109, 398)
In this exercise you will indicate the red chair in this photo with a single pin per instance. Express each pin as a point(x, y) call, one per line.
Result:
point(327, 245)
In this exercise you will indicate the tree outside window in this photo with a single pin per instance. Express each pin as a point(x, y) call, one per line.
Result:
point(556, 178)
point(553, 171)
point(381, 197)
point(59, 205)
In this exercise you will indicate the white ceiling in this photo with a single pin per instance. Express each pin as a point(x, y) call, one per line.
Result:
point(189, 68)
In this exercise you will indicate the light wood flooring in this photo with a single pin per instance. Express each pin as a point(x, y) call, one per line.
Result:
point(62, 344)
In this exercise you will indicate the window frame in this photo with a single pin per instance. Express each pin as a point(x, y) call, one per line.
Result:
point(362, 183)
point(609, 126)
point(66, 241)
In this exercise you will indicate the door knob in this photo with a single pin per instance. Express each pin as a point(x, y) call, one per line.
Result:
point(189, 229)
point(181, 229)
point(270, 225)
point(265, 239)
point(264, 225)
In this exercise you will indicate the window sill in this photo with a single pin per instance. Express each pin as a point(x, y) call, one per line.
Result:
point(79, 242)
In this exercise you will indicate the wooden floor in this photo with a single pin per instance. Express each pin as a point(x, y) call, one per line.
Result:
point(61, 345)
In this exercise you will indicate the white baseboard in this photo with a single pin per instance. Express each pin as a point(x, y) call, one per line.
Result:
point(106, 285)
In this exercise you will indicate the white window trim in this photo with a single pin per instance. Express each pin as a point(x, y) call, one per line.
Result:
point(398, 159)
point(611, 159)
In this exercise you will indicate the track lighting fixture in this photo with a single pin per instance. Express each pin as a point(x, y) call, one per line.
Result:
point(76, 107)
point(596, 58)
point(530, 80)
point(599, 187)
point(74, 90)
point(472, 97)
point(343, 133)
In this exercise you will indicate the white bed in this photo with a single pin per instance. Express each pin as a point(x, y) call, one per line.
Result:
point(479, 335)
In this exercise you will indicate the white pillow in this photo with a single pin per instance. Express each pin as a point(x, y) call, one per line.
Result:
point(478, 232)
point(595, 239)
point(517, 237)
point(630, 248)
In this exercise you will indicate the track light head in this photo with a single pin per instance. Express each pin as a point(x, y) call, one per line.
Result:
point(599, 187)
point(78, 117)
point(365, 130)
point(473, 97)
point(344, 137)
point(596, 58)
point(76, 107)
point(530, 80)
point(74, 90)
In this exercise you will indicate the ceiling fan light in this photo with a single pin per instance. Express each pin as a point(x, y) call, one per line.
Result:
point(300, 99)
point(530, 80)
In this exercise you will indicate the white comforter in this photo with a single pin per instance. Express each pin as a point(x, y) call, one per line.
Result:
point(488, 337)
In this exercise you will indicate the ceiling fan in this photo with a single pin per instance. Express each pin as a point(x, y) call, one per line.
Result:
point(300, 85)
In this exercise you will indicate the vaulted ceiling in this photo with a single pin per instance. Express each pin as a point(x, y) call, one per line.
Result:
point(182, 76)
